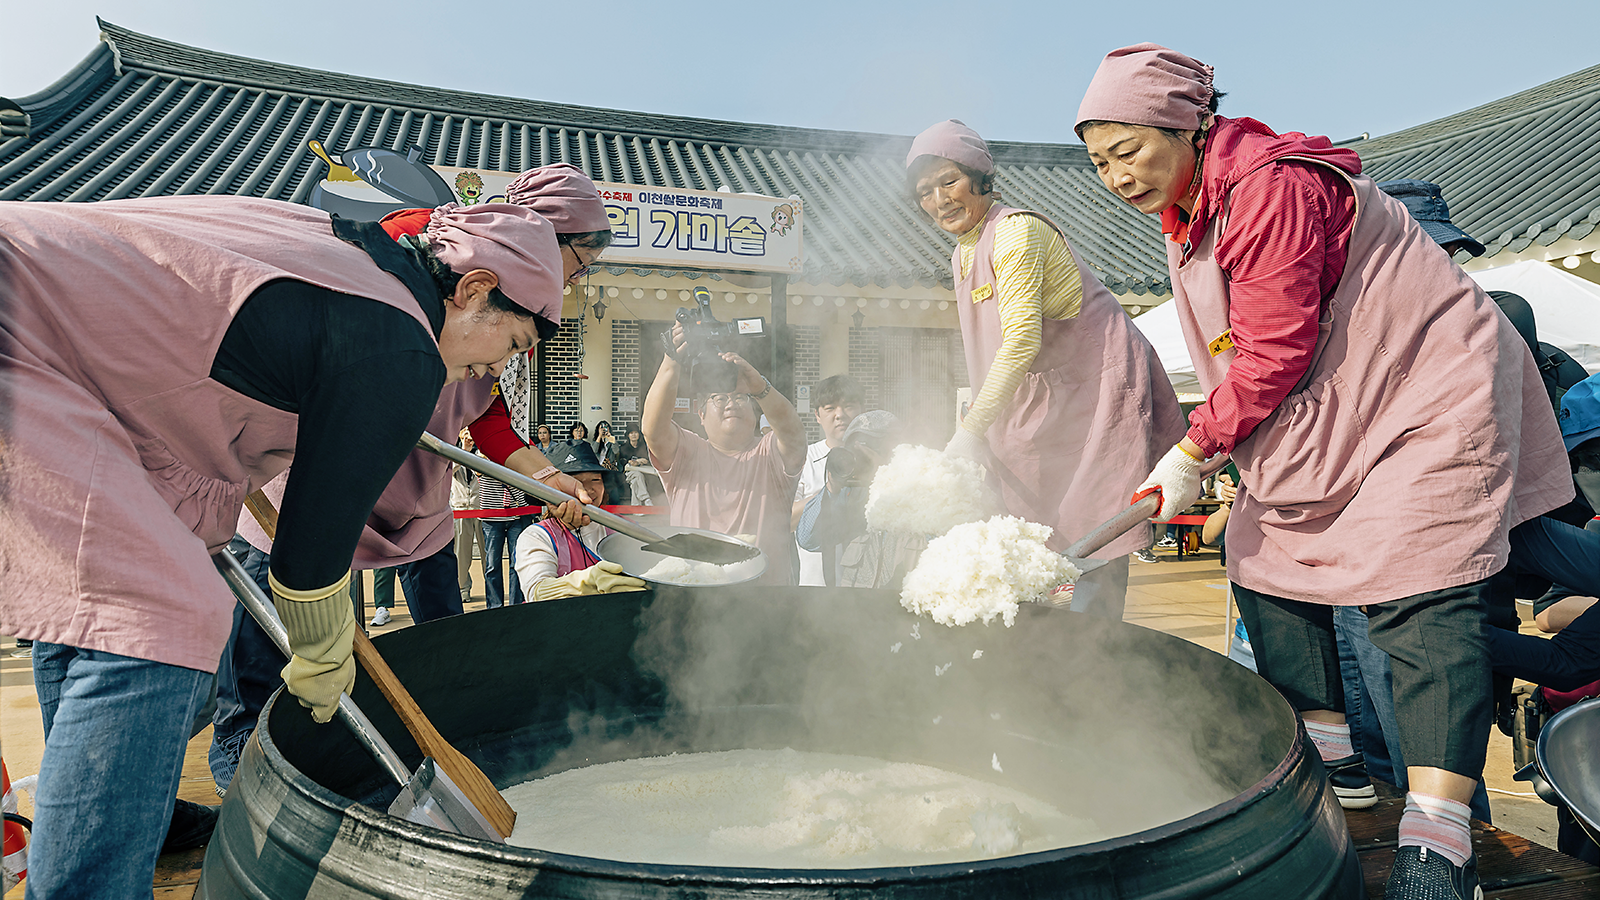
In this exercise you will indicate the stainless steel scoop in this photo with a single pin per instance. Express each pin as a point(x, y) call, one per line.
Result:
point(706, 546)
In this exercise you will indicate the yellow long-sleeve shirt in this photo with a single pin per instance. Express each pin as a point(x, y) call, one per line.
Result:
point(1035, 278)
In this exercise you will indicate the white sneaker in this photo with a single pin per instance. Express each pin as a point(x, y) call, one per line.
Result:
point(381, 617)
point(1167, 542)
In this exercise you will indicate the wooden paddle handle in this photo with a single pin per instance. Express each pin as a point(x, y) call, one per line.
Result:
point(467, 776)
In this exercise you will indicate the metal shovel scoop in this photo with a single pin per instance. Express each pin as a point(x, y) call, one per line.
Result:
point(428, 796)
point(1144, 504)
point(702, 545)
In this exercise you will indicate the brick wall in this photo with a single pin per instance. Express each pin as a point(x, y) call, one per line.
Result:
point(866, 363)
point(625, 372)
point(808, 371)
point(561, 403)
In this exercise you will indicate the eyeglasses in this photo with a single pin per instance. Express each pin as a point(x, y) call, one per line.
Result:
point(723, 401)
point(584, 271)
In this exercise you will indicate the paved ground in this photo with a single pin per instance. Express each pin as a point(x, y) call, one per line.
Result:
point(1182, 597)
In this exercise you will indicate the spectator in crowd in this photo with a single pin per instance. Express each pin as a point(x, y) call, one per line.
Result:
point(636, 468)
point(609, 451)
point(578, 433)
point(469, 532)
point(730, 481)
point(1071, 404)
point(837, 400)
point(500, 533)
point(544, 443)
point(833, 523)
point(1322, 322)
point(554, 561)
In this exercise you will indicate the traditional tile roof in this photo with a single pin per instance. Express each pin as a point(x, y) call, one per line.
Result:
point(141, 116)
point(1517, 171)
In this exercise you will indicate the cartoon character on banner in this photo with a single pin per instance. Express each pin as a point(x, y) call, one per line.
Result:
point(469, 187)
point(784, 217)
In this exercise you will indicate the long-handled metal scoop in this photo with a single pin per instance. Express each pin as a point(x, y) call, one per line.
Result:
point(1145, 504)
point(427, 796)
point(706, 547)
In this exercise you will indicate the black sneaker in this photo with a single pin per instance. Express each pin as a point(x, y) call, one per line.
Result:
point(1350, 783)
point(191, 827)
point(1420, 875)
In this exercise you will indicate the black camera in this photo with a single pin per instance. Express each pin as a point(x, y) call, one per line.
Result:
point(844, 467)
point(705, 340)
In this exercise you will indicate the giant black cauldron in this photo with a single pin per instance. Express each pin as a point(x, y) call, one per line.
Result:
point(1073, 705)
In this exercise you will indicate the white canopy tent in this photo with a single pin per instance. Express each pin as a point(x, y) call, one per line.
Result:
point(1566, 307)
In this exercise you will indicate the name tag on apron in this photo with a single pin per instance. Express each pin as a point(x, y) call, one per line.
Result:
point(1222, 343)
point(982, 293)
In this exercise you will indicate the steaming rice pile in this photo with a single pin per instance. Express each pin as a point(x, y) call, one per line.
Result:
point(677, 570)
point(783, 809)
point(922, 491)
point(985, 569)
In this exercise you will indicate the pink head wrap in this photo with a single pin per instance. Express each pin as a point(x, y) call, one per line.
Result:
point(1147, 84)
point(562, 194)
point(952, 140)
point(513, 242)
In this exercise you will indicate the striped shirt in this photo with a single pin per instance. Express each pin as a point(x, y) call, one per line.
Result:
point(493, 494)
point(1035, 277)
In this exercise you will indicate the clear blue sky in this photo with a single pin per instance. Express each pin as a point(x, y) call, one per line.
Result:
point(1012, 70)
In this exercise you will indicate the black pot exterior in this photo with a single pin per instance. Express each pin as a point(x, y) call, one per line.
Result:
point(513, 688)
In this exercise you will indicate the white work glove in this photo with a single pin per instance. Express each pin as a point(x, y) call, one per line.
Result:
point(1178, 476)
point(601, 578)
point(966, 445)
point(322, 630)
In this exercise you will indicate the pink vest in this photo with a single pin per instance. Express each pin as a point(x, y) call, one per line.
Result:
point(1420, 434)
point(1092, 416)
point(124, 464)
point(571, 554)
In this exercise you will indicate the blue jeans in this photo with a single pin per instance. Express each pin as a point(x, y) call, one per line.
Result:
point(430, 586)
point(1368, 677)
point(496, 537)
point(115, 729)
point(247, 675)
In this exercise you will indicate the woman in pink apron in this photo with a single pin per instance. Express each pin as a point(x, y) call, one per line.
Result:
point(410, 526)
point(1072, 407)
point(1388, 425)
point(162, 359)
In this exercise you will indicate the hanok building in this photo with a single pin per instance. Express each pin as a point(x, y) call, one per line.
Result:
point(870, 292)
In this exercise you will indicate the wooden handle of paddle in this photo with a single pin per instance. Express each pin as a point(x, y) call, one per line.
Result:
point(467, 776)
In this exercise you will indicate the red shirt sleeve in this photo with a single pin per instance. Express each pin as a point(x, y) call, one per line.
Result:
point(1284, 245)
point(492, 431)
point(406, 221)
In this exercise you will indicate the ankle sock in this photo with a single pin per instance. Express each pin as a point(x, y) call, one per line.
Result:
point(1437, 824)
point(1332, 741)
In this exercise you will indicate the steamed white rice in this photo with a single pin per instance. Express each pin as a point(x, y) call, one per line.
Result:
point(981, 570)
point(677, 570)
point(923, 491)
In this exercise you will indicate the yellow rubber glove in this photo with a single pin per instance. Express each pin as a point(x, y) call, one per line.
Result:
point(600, 578)
point(322, 630)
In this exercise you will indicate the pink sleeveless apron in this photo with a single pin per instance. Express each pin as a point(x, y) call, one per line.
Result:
point(122, 464)
point(571, 554)
point(1418, 437)
point(1092, 416)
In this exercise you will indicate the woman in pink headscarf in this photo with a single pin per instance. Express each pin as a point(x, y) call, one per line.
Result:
point(163, 358)
point(1388, 428)
point(1072, 405)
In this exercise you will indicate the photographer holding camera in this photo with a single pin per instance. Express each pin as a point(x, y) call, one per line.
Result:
point(734, 480)
point(834, 521)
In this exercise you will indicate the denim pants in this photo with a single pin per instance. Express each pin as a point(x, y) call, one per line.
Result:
point(430, 586)
point(115, 729)
point(247, 674)
point(498, 537)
